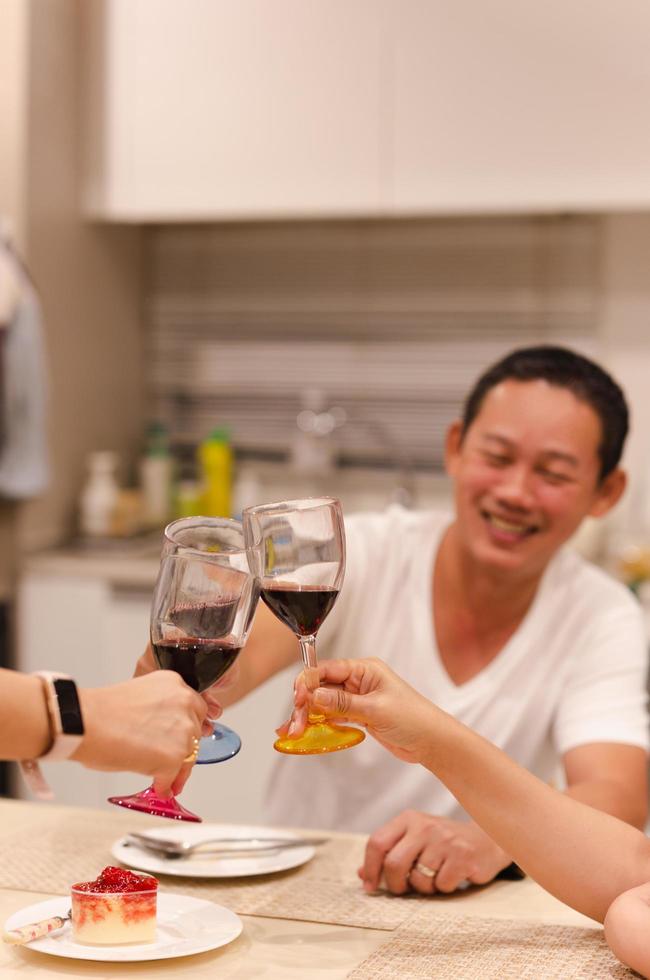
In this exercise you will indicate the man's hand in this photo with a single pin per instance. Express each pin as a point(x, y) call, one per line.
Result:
point(455, 851)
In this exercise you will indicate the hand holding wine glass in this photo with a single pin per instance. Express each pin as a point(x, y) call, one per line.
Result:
point(203, 606)
point(300, 547)
point(224, 540)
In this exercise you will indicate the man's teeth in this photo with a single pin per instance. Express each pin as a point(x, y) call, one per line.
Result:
point(502, 525)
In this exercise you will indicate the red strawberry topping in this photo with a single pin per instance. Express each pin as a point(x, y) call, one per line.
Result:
point(113, 879)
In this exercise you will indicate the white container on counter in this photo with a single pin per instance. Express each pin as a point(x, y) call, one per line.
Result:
point(99, 495)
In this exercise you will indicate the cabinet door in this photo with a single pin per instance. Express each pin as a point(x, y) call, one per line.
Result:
point(512, 105)
point(234, 108)
point(61, 625)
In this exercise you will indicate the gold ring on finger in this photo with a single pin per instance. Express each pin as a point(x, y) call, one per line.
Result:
point(428, 872)
point(195, 750)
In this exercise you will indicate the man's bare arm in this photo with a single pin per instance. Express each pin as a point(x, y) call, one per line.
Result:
point(271, 647)
point(610, 777)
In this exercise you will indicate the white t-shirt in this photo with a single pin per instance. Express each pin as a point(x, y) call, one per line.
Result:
point(573, 673)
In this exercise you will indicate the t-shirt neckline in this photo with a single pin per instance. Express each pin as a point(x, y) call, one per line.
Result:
point(423, 572)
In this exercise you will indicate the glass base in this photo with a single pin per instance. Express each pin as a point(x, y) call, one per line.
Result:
point(148, 801)
point(223, 744)
point(320, 737)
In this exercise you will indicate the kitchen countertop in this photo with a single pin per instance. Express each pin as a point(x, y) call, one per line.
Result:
point(133, 563)
point(128, 564)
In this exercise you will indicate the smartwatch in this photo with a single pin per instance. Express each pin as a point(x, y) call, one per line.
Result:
point(66, 727)
point(66, 723)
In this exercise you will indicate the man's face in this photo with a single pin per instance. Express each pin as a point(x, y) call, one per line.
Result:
point(525, 474)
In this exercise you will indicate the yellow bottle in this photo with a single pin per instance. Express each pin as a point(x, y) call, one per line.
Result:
point(215, 460)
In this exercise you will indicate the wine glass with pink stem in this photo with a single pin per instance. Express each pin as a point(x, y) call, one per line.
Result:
point(202, 610)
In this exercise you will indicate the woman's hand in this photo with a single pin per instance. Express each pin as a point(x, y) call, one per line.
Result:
point(369, 693)
point(146, 725)
point(146, 664)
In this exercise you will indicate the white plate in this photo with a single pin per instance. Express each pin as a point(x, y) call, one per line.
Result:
point(211, 867)
point(185, 926)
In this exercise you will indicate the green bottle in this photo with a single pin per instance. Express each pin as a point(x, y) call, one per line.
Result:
point(215, 462)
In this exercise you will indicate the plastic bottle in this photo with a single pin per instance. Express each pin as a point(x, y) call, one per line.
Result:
point(247, 492)
point(215, 461)
point(156, 470)
point(188, 499)
point(99, 495)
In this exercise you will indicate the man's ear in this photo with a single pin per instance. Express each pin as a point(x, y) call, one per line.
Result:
point(452, 446)
point(608, 493)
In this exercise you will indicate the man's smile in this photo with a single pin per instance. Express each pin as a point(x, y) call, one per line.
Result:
point(509, 526)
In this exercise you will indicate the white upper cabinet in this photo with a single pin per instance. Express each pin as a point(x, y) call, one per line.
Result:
point(503, 105)
point(233, 108)
point(226, 109)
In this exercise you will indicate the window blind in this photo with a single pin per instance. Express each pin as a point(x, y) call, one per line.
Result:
point(391, 321)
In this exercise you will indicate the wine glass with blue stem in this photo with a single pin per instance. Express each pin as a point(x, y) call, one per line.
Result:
point(203, 606)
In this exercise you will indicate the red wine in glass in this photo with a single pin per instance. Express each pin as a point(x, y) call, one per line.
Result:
point(205, 618)
point(299, 547)
point(302, 608)
point(200, 662)
point(202, 610)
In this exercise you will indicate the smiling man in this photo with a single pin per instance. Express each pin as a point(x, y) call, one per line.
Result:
point(489, 615)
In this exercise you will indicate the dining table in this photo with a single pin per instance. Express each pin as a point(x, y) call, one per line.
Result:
point(313, 921)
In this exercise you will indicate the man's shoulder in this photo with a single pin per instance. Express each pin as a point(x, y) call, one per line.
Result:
point(580, 580)
point(397, 520)
point(396, 534)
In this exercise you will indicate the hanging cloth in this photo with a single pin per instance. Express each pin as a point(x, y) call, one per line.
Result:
point(24, 469)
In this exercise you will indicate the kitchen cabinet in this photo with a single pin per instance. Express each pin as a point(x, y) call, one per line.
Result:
point(235, 110)
point(94, 626)
point(221, 109)
point(507, 105)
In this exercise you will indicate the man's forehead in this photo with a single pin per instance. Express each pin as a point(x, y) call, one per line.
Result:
point(511, 395)
point(552, 415)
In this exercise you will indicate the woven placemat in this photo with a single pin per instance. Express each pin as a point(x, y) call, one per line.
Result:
point(463, 947)
point(75, 847)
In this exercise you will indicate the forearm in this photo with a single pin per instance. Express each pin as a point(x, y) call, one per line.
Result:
point(271, 647)
point(24, 718)
point(584, 857)
point(246, 681)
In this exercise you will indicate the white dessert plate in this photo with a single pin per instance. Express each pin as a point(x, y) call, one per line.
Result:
point(199, 866)
point(185, 926)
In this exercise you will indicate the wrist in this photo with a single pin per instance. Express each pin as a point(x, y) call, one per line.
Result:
point(430, 746)
point(501, 863)
point(90, 710)
point(43, 737)
point(64, 721)
point(427, 738)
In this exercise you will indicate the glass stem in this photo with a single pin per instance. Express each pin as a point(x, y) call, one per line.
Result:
point(308, 651)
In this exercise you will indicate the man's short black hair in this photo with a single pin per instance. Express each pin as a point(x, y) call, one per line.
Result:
point(564, 368)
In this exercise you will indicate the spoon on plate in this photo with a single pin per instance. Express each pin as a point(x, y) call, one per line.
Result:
point(34, 930)
point(222, 846)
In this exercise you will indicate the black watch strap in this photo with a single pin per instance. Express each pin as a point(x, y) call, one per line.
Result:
point(511, 873)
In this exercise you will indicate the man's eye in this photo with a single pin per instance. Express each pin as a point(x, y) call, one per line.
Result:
point(556, 478)
point(496, 459)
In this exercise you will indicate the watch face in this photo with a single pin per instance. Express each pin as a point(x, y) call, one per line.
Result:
point(69, 708)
